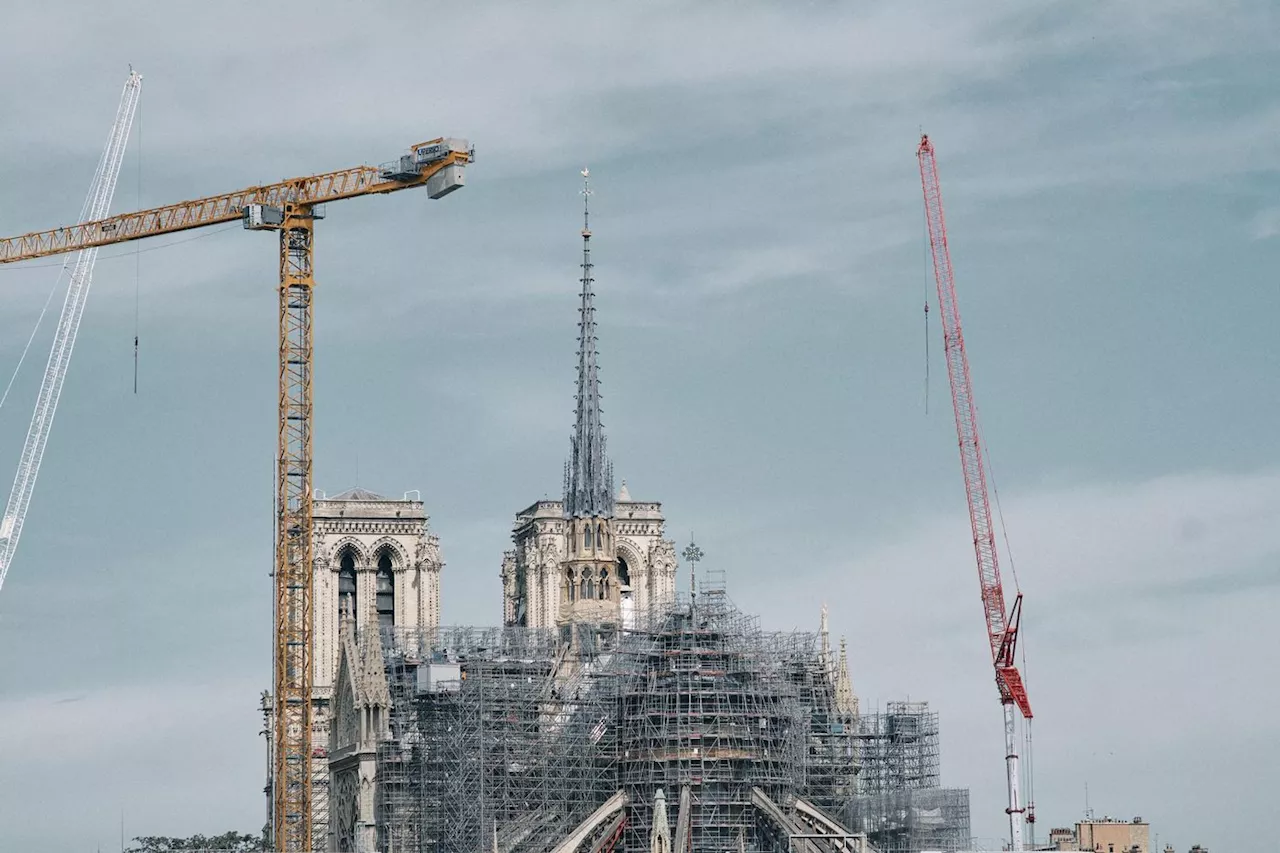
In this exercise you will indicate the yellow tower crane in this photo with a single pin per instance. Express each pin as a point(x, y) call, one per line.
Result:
point(290, 207)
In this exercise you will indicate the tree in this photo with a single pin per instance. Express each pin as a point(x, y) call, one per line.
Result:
point(232, 842)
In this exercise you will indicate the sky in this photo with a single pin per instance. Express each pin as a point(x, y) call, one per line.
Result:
point(1113, 206)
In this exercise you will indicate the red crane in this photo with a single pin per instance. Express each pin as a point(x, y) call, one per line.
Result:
point(1002, 629)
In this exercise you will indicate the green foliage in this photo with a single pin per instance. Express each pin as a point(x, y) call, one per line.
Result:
point(233, 842)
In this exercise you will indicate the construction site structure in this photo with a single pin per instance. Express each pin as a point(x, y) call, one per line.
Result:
point(694, 730)
point(1001, 625)
point(291, 208)
point(611, 712)
point(901, 804)
point(96, 205)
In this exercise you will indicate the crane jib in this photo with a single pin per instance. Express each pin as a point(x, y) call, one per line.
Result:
point(1002, 632)
point(439, 177)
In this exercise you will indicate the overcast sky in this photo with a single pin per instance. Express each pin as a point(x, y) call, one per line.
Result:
point(1113, 203)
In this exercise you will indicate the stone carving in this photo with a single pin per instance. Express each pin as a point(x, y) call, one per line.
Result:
point(537, 590)
point(346, 728)
point(427, 553)
point(399, 559)
point(346, 807)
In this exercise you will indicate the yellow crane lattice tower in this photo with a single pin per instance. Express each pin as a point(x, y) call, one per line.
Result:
point(290, 207)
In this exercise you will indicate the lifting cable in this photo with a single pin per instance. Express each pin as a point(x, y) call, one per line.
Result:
point(137, 257)
point(925, 265)
point(39, 320)
point(1004, 528)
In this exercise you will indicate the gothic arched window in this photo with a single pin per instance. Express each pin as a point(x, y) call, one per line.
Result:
point(604, 583)
point(386, 590)
point(586, 537)
point(347, 585)
point(600, 535)
point(571, 589)
point(624, 572)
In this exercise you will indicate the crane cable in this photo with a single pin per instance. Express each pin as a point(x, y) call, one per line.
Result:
point(1028, 764)
point(925, 265)
point(39, 320)
point(137, 258)
point(1004, 528)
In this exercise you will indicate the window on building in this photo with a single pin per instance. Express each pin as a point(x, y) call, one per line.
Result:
point(604, 583)
point(347, 585)
point(386, 590)
point(586, 538)
point(571, 589)
point(624, 573)
point(600, 535)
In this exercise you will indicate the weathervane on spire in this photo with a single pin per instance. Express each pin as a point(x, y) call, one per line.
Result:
point(692, 555)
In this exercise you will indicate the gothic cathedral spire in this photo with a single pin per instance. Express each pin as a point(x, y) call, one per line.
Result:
point(588, 487)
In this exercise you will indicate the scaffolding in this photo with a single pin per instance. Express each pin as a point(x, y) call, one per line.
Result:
point(705, 701)
point(898, 749)
point(506, 739)
point(912, 819)
point(494, 738)
point(831, 759)
point(899, 803)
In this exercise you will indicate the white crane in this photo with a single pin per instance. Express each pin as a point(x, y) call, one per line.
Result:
point(96, 206)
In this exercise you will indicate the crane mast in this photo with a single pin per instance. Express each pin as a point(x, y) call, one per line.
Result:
point(1002, 630)
point(96, 205)
point(291, 208)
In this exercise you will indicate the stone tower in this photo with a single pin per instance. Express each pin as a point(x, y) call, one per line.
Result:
point(376, 563)
point(376, 559)
point(595, 556)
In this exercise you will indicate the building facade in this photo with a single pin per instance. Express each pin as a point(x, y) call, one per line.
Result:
point(375, 563)
point(1114, 836)
point(545, 586)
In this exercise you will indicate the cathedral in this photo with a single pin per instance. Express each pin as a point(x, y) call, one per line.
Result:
point(607, 713)
point(592, 558)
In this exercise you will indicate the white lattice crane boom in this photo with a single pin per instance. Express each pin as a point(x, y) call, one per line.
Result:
point(96, 206)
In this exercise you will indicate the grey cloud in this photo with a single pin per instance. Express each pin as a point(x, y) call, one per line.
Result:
point(761, 279)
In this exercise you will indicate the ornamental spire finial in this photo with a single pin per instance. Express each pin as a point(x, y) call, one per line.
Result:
point(589, 486)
